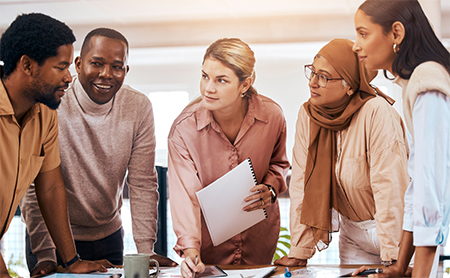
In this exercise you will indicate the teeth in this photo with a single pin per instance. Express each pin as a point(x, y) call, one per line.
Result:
point(103, 86)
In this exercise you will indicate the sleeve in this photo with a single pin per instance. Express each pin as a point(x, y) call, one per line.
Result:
point(387, 156)
point(40, 240)
point(184, 206)
point(302, 240)
point(431, 123)
point(142, 181)
point(279, 164)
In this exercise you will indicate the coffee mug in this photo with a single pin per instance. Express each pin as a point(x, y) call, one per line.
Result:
point(138, 266)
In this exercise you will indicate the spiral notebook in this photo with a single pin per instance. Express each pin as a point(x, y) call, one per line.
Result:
point(222, 202)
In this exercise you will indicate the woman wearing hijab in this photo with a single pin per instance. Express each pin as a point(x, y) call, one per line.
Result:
point(349, 164)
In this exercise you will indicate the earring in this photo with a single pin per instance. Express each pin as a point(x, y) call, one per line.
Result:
point(395, 48)
point(243, 95)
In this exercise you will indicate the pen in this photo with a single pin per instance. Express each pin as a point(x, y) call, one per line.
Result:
point(370, 271)
point(195, 262)
point(287, 273)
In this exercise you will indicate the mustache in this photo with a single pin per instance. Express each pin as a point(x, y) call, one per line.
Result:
point(63, 87)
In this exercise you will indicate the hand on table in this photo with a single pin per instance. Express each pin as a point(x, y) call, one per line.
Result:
point(85, 267)
point(163, 261)
point(105, 263)
point(262, 198)
point(44, 267)
point(390, 271)
point(192, 264)
point(286, 261)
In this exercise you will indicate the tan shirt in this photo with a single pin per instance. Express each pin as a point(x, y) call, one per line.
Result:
point(371, 168)
point(200, 153)
point(25, 151)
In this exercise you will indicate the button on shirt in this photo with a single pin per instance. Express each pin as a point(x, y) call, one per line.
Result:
point(26, 150)
point(200, 153)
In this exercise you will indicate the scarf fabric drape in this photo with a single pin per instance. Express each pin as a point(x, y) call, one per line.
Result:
point(321, 192)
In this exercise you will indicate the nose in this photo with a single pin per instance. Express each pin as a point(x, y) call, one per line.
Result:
point(67, 76)
point(313, 81)
point(106, 72)
point(210, 88)
point(356, 48)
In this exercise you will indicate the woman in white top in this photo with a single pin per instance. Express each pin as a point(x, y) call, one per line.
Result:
point(396, 36)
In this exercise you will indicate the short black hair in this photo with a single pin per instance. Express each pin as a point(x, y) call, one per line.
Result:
point(102, 32)
point(36, 35)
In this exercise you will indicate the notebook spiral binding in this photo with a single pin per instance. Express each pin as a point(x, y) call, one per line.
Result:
point(256, 182)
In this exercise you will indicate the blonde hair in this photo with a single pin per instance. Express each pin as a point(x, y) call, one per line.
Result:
point(236, 55)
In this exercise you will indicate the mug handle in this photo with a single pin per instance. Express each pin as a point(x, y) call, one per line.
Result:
point(157, 269)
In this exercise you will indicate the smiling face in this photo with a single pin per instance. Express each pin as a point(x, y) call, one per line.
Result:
point(334, 94)
point(52, 78)
point(373, 46)
point(103, 68)
point(220, 87)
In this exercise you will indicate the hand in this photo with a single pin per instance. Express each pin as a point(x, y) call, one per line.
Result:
point(163, 261)
point(188, 266)
point(390, 271)
point(286, 261)
point(105, 263)
point(262, 198)
point(85, 267)
point(44, 267)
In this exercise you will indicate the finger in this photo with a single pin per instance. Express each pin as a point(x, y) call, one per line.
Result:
point(185, 270)
point(362, 268)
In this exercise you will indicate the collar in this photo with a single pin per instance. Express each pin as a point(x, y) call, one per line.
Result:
point(86, 103)
point(6, 107)
point(256, 111)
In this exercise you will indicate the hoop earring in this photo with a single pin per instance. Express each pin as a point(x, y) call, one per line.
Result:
point(395, 48)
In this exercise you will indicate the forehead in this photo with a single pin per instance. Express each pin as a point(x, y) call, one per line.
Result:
point(64, 55)
point(216, 67)
point(104, 47)
point(322, 64)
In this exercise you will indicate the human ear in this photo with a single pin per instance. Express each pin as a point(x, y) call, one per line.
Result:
point(246, 84)
point(398, 30)
point(25, 64)
point(78, 64)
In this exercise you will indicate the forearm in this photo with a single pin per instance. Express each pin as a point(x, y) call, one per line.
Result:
point(424, 260)
point(406, 251)
point(52, 198)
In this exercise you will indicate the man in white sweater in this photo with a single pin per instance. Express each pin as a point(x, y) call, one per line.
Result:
point(106, 139)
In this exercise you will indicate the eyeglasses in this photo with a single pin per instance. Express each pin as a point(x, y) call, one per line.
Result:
point(322, 80)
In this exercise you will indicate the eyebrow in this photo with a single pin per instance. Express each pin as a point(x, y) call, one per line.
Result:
point(360, 27)
point(103, 59)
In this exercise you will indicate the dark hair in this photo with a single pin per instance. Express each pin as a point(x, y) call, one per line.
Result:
point(420, 43)
point(36, 35)
point(102, 32)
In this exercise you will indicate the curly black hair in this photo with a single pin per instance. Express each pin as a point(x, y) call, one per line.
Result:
point(36, 35)
point(102, 32)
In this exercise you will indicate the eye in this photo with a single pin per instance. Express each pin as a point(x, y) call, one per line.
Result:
point(363, 35)
point(118, 67)
point(323, 77)
point(222, 81)
point(96, 64)
point(204, 76)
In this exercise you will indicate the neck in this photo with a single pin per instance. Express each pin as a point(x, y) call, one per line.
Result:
point(234, 115)
point(16, 91)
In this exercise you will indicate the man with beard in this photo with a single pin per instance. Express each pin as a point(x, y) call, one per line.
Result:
point(107, 138)
point(36, 51)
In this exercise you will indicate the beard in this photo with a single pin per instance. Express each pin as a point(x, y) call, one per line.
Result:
point(41, 92)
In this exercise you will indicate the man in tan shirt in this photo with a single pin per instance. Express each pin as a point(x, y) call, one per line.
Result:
point(36, 51)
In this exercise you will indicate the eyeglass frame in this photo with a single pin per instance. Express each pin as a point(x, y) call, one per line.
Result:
point(314, 74)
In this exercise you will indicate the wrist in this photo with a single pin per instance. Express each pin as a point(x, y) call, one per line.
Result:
point(72, 261)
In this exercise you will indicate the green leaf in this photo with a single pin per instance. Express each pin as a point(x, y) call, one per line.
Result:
point(283, 229)
point(288, 245)
point(286, 236)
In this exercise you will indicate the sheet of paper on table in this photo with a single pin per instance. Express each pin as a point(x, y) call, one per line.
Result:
point(250, 273)
point(318, 272)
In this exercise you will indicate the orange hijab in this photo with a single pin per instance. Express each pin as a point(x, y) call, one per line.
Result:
point(321, 191)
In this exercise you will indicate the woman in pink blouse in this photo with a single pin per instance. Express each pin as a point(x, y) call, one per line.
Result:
point(227, 124)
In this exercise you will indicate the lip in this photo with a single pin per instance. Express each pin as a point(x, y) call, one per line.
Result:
point(103, 88)
point(362, 58)
point(210, 98)
point(314, 94)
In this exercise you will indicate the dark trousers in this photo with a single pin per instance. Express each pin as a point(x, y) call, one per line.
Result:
point(110, 248)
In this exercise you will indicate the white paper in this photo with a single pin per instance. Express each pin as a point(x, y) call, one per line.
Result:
point(222, 202)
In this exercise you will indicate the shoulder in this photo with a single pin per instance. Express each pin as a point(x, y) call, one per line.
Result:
point(127, 95)
point(186, 118)
point(267, 108)
point(430, 76)
point(47, 115)
point(269, 103)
